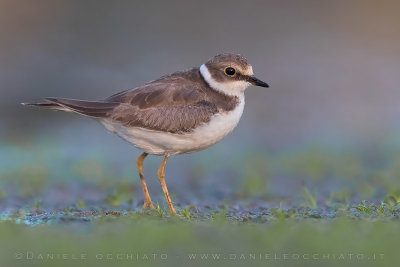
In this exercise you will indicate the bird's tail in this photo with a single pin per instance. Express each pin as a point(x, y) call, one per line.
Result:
point(96, 109)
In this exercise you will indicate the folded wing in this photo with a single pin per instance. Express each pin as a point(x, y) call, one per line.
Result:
point(176, 103)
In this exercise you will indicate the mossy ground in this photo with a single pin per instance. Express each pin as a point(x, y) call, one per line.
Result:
point(311, 206)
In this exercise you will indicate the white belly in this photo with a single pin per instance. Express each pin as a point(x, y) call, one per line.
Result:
point(160, 143)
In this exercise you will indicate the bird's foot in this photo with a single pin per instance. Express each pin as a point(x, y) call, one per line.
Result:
point(174, 213)
point(178, 215)
point(148, 205)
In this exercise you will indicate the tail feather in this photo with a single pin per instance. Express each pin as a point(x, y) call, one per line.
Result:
point(97, 109)
point(46, 105)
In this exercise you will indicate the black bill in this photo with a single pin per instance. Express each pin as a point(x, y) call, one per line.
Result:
point(254, 81)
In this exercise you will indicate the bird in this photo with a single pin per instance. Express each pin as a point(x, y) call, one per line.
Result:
point(179, 113)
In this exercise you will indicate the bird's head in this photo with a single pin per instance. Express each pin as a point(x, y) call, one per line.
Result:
point(230, 74)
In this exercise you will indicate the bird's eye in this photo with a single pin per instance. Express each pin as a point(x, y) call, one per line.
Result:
point(230, 71)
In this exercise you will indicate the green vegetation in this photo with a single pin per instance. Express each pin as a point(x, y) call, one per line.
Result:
point(160, 211)
point(186, 212)
point(311, 198)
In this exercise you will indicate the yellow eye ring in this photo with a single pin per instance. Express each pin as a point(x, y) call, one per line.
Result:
point(230, 71)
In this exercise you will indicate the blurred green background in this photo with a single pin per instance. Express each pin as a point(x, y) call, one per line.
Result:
point(313, 164)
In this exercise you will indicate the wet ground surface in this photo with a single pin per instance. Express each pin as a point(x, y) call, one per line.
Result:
point(236, 214)
point(255, 211)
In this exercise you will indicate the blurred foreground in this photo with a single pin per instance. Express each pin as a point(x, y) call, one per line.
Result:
point(142, 240)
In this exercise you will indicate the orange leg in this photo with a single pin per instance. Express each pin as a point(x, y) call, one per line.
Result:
point(147, 199)
point(161, 177)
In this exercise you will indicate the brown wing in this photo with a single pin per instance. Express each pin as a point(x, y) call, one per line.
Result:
point(176, 103)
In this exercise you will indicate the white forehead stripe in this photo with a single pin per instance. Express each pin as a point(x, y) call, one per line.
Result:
point(235, 88)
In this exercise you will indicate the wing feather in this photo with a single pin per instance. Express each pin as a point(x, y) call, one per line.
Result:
point(176, 103)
